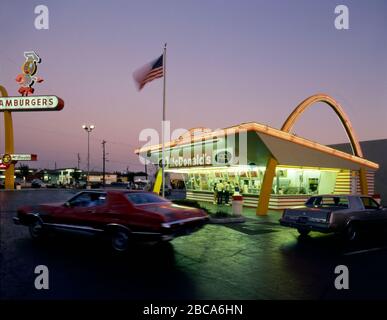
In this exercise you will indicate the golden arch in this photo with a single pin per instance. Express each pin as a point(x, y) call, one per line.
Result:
point(264, 198)
point(293, 117)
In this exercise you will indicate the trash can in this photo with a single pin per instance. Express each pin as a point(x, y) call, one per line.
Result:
point(18, 187)
point(237, 205)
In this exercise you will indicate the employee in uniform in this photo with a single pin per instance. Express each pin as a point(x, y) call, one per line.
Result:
point(220, 188)
point(215, 193)
point(226, 193)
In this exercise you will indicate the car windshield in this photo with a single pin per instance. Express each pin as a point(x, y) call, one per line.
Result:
point(325, 202)
point(138, 198)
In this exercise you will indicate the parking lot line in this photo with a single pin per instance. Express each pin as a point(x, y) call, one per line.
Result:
point(363, 251)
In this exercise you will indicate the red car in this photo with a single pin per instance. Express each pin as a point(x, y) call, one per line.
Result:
point(121, 215)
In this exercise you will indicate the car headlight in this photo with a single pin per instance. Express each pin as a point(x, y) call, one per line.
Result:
point(165, 225)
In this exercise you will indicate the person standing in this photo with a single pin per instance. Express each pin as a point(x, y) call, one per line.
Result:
point(236, 189)
point(245, 189)
point(226, 193)
point(220, 188)
point(215, 193)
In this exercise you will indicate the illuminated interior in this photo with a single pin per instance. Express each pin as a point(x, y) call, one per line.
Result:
point(289, 180)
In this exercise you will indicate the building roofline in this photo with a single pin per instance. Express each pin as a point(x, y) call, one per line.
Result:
point(265, 129)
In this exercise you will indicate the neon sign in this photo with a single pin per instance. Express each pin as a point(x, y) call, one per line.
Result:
point(36, 103)
point(27, 79)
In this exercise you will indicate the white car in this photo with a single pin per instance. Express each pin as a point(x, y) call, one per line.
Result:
point(37, 183)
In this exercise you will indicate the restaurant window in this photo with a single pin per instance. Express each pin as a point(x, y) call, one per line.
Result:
point(297, 181)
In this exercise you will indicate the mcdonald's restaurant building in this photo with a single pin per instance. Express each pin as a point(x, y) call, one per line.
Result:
point(240, 155)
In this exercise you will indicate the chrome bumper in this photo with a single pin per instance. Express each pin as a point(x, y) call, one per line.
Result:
point(183, 221)
point(321, 227)
point(16, 220)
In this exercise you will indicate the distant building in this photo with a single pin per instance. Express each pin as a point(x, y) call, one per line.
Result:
point(63, 176)
point(66, 176)
point(32, 173)
point(97, 177)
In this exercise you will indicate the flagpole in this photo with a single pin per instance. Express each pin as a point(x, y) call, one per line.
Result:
point(163, 123)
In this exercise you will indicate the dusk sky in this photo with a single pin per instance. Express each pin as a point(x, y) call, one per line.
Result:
point(228, 62)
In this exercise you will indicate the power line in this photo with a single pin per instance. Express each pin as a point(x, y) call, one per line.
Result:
point(103, 162)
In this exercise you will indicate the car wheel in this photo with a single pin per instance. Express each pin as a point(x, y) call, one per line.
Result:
point(303, 232)
point(351, 232)
point(36, 229)
point(120, 240)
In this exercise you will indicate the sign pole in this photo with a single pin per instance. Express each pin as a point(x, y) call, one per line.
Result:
point(26, 81)
point(163, 123)
point(9, 145)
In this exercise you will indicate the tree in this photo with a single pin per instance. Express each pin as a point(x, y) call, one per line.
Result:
point(24, 171)
point(76, 175)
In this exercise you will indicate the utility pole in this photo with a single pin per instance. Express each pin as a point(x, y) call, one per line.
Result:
point(88, 129)
point(79, 160)
point(103, 162)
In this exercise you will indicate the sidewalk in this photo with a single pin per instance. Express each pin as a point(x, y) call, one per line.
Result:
point(272, 216)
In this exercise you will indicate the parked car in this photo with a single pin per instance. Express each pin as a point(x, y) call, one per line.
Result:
point(51, 185)
point(345, 214)
point(121, 215)
point(81, 184)
point(37, 183)
point(123, 185)
point(95, 185)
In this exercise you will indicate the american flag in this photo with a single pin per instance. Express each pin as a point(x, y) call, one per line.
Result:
point(149, 72)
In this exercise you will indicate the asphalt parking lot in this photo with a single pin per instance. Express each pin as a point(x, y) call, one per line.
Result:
point(255, 260)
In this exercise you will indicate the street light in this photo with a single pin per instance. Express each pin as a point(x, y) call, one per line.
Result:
point(88, 129)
